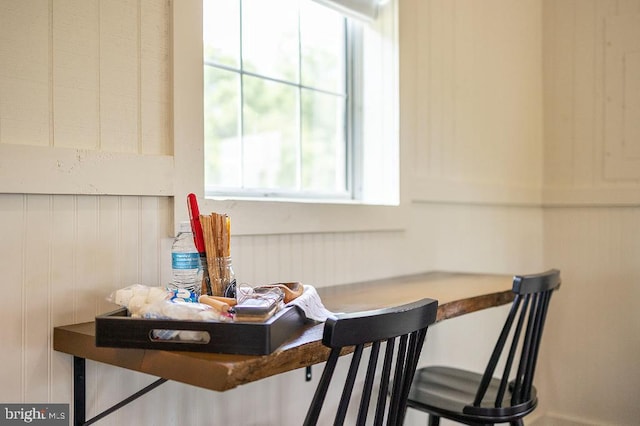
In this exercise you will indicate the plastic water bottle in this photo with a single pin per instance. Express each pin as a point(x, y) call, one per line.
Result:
point(186, 281)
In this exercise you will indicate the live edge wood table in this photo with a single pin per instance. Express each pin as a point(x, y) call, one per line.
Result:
point(457, 294)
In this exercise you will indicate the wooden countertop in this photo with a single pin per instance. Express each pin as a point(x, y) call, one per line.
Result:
point(457, 294)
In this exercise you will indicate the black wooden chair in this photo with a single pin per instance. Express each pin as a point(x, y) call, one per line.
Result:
point(472, 398)
point(406, 325)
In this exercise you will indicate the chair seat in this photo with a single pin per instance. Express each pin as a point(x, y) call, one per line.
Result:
point(449, 392)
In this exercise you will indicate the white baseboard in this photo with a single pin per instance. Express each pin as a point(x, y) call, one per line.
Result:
point(556, 419)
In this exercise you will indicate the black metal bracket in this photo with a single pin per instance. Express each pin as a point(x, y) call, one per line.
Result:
point(80, 395)
point(307, 373)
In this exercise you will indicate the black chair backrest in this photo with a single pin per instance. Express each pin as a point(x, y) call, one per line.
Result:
point(407, 324)
point(529, 308)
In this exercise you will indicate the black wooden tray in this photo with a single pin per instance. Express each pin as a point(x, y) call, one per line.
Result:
point(117, 329)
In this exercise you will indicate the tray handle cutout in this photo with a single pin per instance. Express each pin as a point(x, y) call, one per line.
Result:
point(158, 335)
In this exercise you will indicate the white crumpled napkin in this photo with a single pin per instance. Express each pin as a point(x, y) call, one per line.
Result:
point(310, 303)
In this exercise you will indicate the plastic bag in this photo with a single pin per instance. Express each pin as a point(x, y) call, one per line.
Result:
point(158, 303)
point(138, 297)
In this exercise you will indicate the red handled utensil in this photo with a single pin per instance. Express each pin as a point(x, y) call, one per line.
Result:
point(196, 227)
point(198, 237)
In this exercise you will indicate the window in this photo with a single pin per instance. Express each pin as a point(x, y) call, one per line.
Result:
point(376, 203)
point(282, 100)
point(276, 99)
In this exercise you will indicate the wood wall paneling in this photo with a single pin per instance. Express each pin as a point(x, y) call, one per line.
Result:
point(155, 77)
point(591, 194)
point(24, 67)
point(85, 97)
point(76, 73)
point(622, 97)
point(119, 74)
point(479, 120)
point(591, 103)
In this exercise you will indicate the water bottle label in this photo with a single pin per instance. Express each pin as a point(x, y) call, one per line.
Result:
point(185, 260)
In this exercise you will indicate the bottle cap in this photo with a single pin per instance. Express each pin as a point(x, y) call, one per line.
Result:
point(185, 226)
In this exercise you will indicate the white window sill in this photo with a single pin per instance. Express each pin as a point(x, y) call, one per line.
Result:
point(253, 217)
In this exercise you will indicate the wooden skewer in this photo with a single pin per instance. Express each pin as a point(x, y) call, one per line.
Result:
point(209, 243)
point(216, 229)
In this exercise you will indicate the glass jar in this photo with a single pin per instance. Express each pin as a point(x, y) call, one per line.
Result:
point(223, 279)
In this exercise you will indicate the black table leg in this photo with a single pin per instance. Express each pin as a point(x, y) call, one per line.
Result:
point(79, 390)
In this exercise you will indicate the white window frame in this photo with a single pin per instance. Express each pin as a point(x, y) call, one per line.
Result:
point(252, 217)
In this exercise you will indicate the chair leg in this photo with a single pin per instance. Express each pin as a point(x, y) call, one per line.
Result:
point(434, 420)
point(518, 422)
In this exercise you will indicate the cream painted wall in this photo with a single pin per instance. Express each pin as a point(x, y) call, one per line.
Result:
point(471, 128)
point(592, 181)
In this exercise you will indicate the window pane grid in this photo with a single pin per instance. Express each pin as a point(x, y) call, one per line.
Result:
point(317, 155)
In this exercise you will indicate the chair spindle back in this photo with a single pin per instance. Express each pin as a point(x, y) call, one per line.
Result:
point(403, 330)
point(528, 312)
